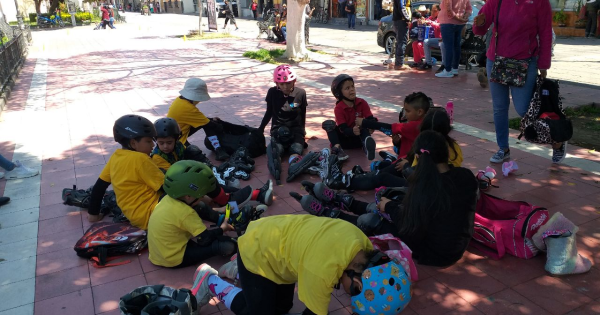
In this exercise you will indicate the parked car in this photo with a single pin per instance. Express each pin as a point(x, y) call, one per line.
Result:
point(219, 7)
point(386, 35)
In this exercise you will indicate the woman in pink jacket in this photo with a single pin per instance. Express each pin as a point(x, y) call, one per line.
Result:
point(453, 16)
point(525, 31)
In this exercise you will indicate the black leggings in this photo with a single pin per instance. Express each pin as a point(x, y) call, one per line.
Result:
point(196, 253)
point(211, 129)
point(261, 296)
point(347, 142)
point(360, 208)
point(372, 180)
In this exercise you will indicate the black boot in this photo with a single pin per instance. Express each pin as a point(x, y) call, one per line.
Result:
point(330, 196)
point(300, 164)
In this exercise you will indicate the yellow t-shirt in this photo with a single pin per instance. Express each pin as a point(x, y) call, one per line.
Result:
point(187, 115)
point(136, 181)
point(171, 226)
point(312, 251)
point(160, 162)
point(453, 159)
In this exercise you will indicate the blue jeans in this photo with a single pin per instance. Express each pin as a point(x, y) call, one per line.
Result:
point(351, 20)
point(401, 28)
point(6, 164)
point(521, 97)
point(110, 22)
point(432, 42)
point(451, 35)
point(284, 31)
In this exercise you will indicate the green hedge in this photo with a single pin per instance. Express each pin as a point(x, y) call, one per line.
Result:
point(79, 17)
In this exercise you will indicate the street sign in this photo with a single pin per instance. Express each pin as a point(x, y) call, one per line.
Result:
point(212, 17)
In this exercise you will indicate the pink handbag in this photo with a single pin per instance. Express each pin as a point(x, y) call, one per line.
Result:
point(396, 249)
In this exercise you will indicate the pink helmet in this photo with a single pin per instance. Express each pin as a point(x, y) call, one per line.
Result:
point(283, 74)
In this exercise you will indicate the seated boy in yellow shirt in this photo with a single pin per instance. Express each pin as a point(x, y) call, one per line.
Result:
point(136, 180)
point(169, 150)
point(177, 237)
point(318, 253)
point(191, 119)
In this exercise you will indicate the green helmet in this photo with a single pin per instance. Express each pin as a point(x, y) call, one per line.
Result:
point(189, 178)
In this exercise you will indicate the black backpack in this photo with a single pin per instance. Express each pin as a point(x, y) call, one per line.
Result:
point(545, 121)
point(233, 136)
point(158, 300)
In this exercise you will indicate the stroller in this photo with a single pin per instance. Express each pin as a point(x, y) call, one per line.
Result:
point(100, 25)
point(267, 24)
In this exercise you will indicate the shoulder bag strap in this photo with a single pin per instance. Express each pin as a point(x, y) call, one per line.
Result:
point(496, 26)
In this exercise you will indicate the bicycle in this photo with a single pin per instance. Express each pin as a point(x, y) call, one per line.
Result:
point(53, 20)
point(322, 16)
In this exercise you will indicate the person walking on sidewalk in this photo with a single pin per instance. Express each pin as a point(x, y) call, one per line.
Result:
point(512, 31)
point(401, 17)
point(229, 16)
point(351, 13)
point(111, 14)
point(592, 7)
point(253, 7)
point(453, 17)
point(308, 16)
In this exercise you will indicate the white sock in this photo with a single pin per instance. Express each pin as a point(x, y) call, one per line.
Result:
point(214, 141)
point(223, 290)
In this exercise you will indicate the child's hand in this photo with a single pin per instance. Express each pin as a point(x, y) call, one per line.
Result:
point(356, 130)
point(396, 139)
point(382, 203)
point(226, 227)
point(359, 121)
point(400, 164)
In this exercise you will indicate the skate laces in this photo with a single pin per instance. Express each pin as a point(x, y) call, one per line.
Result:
point(329, 194)
point(316, 206)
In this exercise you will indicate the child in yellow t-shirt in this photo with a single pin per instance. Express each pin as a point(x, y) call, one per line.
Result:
point(318, 253)
point(136, 180)
point(191, 119)
point(177, 237)
point(169, 150)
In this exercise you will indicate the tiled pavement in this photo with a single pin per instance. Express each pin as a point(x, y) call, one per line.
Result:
point(91, 79)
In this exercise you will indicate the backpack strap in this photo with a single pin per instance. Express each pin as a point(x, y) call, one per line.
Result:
point(495, 253)
point(103, 263)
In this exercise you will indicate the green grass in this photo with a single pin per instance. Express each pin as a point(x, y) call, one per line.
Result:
point(585, 111)
point(514, 123)
point(211, 35)
point(319, 51)
point(268, 56)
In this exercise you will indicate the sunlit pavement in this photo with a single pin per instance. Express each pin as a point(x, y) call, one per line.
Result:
point(76, 82)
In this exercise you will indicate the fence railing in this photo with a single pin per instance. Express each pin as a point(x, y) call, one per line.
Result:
point(12, 56)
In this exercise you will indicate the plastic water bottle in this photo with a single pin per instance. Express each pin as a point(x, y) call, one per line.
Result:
point(450, 110)
point(433, 61)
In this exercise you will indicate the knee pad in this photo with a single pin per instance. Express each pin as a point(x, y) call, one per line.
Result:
point(296, 148)
point(369, 223)
point(224, 247)
point(329, 125)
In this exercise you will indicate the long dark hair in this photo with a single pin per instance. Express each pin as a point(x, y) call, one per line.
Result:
point(426, 195)
point(437, 119)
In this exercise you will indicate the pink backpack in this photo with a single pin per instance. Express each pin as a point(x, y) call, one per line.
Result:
point(396, 249)
point(503, 226)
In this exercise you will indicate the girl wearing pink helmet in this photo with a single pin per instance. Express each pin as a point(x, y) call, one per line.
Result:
point(286, 107)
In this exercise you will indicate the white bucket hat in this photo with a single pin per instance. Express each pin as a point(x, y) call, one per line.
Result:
point(422, 8)
point(195, 90)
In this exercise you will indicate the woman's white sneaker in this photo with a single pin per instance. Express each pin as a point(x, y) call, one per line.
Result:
point(444, 74)
point(21, 171)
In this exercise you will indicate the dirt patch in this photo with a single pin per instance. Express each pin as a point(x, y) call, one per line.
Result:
point(586, 125)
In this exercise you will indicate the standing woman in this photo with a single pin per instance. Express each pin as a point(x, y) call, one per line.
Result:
point(351, 12)
point(453, 16)
point(522, 30)
point(592, 7)
point(253, 7)
point(229, 16)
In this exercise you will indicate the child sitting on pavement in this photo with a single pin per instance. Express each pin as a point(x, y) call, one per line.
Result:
point(344, 133)
point(436, 216)
point(317, 253)
point(177, 237)
point(169, 150)
point(191, 119)
point(136, 180)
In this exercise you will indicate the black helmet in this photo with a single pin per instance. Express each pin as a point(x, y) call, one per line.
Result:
point(336, 85)
point(167, 127)
point(131, 127)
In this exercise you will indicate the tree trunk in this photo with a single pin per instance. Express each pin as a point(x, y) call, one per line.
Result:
point(296, 45)
point(53, 6)
point(201, 4)
point(38, 4)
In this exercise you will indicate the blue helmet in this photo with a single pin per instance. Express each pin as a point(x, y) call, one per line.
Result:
point(385, 291)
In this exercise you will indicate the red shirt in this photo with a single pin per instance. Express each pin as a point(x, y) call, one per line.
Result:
point(409, 132)
point(347, 115)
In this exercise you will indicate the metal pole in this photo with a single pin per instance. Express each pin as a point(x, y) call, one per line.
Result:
point(19, 16)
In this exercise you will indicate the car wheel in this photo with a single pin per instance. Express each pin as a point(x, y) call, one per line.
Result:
point(389, 42)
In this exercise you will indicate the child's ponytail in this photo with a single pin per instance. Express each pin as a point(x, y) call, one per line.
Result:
point(426, 195)
point(437, 119)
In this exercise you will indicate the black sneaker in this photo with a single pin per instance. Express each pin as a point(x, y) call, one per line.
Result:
point(4, 200)
point(388, 156)
point(221, 155)
point(265, 195)
point(300, 164)
point(242, 196)
point(342, 156)
point(370, 147)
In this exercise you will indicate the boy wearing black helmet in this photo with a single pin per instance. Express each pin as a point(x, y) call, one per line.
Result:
point(169, 150)
point(344, 133)
point(136, 180)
